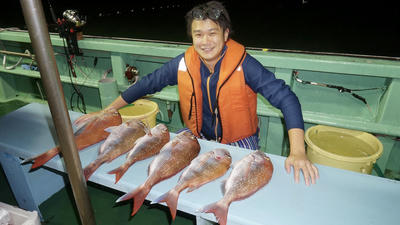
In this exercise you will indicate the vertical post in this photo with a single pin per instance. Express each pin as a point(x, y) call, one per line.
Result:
point(40, 38)
point(108, 90)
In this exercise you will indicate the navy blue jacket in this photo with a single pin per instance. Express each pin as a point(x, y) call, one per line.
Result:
point(257, 77)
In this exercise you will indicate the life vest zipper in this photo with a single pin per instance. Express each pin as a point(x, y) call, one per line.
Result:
point(208, 92)
point(216, 107)
point(213, 112)
point(191, 105)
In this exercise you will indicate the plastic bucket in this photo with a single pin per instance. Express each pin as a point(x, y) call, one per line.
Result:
point(343, 148)
point(142, 109)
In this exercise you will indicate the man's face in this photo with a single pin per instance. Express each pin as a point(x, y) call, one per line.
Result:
point(208, 39)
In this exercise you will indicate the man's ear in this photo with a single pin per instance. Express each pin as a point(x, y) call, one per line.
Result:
point(226, 34)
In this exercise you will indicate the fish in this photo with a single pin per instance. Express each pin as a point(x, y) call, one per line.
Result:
point(248, 175)
point(90, 131)
point(145, 147)
point(203, 169)
point(122, 138)
point(173, 158)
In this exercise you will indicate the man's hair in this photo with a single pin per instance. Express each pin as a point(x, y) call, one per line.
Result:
point(212, 10)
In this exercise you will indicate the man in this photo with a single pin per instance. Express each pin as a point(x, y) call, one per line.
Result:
point(218, 84)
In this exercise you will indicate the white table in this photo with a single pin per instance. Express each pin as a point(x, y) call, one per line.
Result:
point(339, 197)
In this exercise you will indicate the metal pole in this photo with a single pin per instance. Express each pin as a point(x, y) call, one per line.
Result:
point(18, 54)
point(40, 38)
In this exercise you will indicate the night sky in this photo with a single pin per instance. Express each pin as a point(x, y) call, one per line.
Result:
point(352, 26)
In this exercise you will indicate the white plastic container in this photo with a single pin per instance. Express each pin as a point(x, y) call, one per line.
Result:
point(16, 216)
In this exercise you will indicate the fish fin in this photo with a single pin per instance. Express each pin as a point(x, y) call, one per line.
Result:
point(219, 210)
point(223, 187)
point(171, 198)
point(159, 198)
point(147, 130)
point(233, 165)
point(91, 168)
point(42, 158)
point(192, 188)
point(80, 129)
point(125, 197)
point(110, 129)
point(135, 143)
point(102, 148)
point(145, 126)
point(139, 194)
point(198, 163)
point(83, 121)
point(119, 172)
point(246, 174)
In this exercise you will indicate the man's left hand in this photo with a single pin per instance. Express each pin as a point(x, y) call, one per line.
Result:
point(299, 161)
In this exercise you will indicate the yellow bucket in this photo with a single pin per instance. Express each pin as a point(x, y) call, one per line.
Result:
point(142, 109)
point(343, 148)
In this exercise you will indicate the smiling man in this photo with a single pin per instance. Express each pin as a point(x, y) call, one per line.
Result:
point(218, 84)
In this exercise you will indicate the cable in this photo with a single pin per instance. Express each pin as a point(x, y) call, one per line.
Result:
point(71, 72)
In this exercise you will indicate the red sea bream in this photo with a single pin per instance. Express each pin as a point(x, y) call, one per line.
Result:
point(248, 176)
point(173, 157)
point(90, 131)
point(203, 169)
point(122, 139)
point(145, 147)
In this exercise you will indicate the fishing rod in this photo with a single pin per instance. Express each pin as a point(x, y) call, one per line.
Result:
point(341, 89)
point(68, 27)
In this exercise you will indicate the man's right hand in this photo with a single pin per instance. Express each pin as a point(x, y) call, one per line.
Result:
point(84, 119)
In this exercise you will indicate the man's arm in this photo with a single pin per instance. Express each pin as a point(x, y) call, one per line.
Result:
point(279, 95)
point(118, 103)
point(151, 83)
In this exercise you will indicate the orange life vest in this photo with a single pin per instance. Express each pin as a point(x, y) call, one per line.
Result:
point(236, 102)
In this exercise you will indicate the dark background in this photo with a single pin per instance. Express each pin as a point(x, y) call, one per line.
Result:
point(353, 26)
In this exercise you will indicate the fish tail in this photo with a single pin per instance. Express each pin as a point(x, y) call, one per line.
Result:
point(138, 196)
point(119, 172)
point(219, 209)
point(42, 158)
point(89, 169)
point(171, 198)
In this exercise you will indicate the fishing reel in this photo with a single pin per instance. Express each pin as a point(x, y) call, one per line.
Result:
point(70, 27)
point(73, 17)
point(131, 74)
